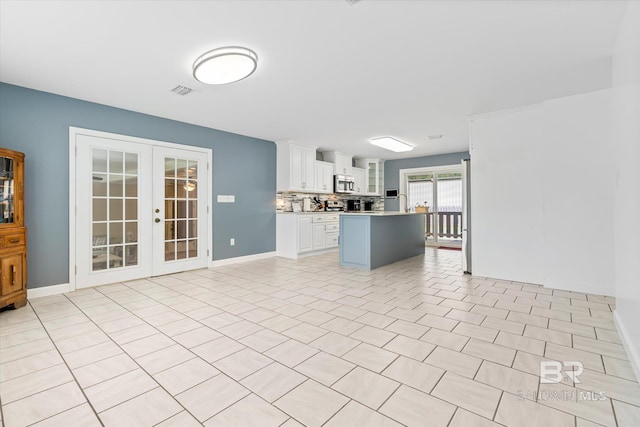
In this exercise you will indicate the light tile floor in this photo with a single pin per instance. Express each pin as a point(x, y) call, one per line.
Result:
point(279, 342)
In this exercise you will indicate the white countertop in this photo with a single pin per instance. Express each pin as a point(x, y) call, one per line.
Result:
point(308, 213)
point(372, 213)
point(385, 213)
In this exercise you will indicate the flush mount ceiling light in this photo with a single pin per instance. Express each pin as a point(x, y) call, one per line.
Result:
point(225, 65)
point(391, 144)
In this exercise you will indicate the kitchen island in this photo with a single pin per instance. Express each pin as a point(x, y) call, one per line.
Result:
point(373, 239)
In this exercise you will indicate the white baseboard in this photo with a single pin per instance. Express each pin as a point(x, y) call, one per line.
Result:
point(320, 252)
point(579, 287)
point(634, 357)
point(241, 259)
point(46, 291)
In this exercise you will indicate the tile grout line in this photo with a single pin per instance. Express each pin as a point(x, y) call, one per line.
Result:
point(398, 292)
point(69, 368)
point(133, 359)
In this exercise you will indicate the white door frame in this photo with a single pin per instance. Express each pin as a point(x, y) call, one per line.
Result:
point(404, 187)
point(403, 173)
point(73, 133)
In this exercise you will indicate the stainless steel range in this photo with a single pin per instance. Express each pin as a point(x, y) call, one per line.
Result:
point(334, 205)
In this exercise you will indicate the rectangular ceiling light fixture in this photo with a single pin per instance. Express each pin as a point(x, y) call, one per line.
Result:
point(391, 144)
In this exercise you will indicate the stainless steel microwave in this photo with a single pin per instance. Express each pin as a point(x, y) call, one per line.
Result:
point(344, 184)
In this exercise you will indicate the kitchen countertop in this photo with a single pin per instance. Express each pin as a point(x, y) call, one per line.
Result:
point(309, 213)
point(385, 213)
point(370, 213)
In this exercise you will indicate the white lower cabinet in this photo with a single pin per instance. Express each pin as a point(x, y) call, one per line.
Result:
point(305, 233)
point(331, 230)
point(318, 236)
point(298, 234)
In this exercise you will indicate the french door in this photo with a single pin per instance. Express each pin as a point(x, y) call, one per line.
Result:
point(440, 189)
point(140, 209)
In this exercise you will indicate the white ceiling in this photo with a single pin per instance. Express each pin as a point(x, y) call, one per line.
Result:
point(330, 73)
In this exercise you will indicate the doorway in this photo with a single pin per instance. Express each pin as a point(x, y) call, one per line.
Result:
point(439, 192)
point(140, 208)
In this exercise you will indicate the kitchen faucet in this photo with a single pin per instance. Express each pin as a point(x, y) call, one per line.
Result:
point(406, 201)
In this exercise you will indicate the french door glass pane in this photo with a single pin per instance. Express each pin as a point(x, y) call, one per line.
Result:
point(420, 189)
point(115, 209)
point(181, 192)
point(449, 190)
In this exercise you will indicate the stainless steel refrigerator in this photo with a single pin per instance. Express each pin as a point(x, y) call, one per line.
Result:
point(466, 216)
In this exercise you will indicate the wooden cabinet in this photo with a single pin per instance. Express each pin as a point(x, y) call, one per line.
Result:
point(295, 167)
point(324, 177)
point(13, 234)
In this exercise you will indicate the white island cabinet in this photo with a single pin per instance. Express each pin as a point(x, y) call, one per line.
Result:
point(296, 167)
point(299, 234)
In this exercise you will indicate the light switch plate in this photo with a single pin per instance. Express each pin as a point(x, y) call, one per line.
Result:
point(224, 198)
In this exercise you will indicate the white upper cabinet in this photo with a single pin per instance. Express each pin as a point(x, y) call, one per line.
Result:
point(374, 175)
point(324, 177)
point(341, 161)
point(359, 178)
point(295, 167)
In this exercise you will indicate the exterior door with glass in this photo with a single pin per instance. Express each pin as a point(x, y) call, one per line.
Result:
point(180, 210)
point(140, 210)
point(440, 190)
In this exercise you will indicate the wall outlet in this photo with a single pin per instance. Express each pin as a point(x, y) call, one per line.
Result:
point(232, 241)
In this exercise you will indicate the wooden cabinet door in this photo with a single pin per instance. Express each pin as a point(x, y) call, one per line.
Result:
point(11, 273)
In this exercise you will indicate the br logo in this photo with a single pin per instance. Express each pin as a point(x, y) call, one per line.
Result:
point(552, 372)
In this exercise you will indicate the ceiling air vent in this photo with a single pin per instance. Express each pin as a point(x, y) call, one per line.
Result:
point(181, 90)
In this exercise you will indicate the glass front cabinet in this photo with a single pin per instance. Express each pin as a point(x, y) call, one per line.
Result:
point(13, 234)
point(374, 171)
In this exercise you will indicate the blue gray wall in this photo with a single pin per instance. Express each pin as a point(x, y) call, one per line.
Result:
point(392, 170)
point(37, 123)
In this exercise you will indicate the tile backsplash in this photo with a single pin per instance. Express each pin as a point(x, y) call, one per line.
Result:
point(284, 200)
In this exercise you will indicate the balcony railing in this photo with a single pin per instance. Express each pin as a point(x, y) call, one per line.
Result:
point(449, 224)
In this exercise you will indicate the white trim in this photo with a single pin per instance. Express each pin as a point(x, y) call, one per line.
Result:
point(575, 287)
point(240, 259)
point(72, 208)
point(47, 291)
point(74, 132)
point(634, 357)
point(505, 112)
point(402, 173)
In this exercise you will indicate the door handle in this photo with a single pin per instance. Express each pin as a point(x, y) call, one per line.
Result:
point(157, 220)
